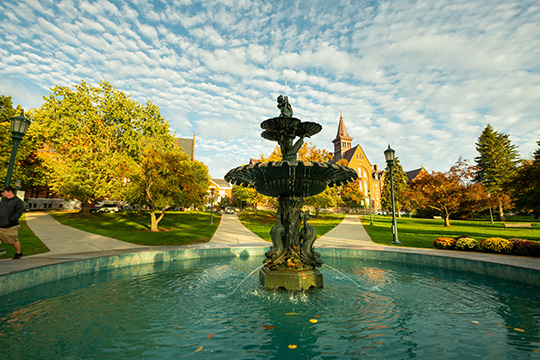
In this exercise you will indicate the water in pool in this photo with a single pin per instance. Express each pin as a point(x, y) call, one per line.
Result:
point(195, 310)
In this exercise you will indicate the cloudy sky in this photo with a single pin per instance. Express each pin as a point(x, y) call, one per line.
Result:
point(424, 76)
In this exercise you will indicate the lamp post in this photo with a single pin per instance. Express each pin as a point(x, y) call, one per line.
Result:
point(370, 208)
point(212, 208)
point(490, 212)
point(389, 155)
point(19, 125)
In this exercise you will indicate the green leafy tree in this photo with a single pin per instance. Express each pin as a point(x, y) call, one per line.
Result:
point(400, 186)
point(497, 165)
point(167, 179)
point(527, 185)
point(28, 166)
point(326, 199)
point(92, 133)
point(245, 196)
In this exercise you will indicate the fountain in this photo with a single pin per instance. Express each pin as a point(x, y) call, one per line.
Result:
point(291, 263)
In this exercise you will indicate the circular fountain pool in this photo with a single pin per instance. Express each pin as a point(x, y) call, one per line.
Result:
point(213, 308)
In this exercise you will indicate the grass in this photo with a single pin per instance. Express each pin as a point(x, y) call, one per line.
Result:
point(176, 228)
point(420, 233)
point(30, 243)
point(260, 222)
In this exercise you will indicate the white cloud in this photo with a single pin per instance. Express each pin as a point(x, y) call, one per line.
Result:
point(425, 76)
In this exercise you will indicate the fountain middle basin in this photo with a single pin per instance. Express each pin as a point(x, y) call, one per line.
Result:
point(189, 306)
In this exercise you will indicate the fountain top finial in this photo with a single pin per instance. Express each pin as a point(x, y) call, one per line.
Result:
point(284, 106)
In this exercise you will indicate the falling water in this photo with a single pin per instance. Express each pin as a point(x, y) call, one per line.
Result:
point(246, 279)
point(336, 270)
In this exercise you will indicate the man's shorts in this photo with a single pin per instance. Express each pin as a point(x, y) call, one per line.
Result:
point(9, 235)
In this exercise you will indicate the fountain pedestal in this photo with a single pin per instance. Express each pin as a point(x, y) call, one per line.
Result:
point(289, 279)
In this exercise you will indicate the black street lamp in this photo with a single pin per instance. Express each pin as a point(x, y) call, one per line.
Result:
point(19, 125)
point(389, 155)
point(370, 208)
point(212, 208)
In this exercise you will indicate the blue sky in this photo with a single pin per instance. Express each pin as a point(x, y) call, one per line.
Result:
point(424, 76)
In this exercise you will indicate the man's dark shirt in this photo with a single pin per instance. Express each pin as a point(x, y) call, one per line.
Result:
point(10, 211)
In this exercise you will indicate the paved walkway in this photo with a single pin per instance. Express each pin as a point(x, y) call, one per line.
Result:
point(232, 231)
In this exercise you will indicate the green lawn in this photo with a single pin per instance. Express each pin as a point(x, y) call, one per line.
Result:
point(420, 233)
point(30, 243)
point(176, 228)
point(260, 222)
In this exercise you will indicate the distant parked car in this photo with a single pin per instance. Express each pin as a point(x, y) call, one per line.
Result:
point(110, 208)
point(229, 210)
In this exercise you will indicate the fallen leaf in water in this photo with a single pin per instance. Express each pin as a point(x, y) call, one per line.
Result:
point(292, 314)
point(268, 327)
point(518, 329)
point(199, 349)
point(209, 336)
point(476, 322)
point(292, 346)
point(314, 321)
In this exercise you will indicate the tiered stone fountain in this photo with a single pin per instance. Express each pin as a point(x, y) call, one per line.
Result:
point(291, 263)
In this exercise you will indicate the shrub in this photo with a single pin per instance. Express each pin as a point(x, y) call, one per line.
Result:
point(466, 243)
point(444, 243)
point(525, 247)
point(496, 245)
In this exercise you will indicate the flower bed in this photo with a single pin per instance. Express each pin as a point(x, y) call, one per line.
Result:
point(444, 243)
point(495, 245)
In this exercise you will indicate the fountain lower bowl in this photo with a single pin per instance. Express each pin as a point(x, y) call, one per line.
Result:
point(291, 178)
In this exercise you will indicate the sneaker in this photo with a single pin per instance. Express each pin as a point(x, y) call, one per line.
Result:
point(2, 251)
point(17, 256)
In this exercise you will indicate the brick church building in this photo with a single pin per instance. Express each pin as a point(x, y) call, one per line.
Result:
point(369, 175)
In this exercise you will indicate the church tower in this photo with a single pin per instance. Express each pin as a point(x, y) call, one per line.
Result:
point(343, 141)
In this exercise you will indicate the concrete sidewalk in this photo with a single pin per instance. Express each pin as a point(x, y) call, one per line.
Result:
point(232, 231)
point(62, 239)
point(350, 232)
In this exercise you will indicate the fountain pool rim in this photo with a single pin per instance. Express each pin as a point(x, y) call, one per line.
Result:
point(524, 270)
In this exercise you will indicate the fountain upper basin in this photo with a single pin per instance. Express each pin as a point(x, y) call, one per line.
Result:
point(291, 178)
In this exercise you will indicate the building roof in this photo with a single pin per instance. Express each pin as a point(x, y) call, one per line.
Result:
point(411, 175)
point(187, 146)
point(221, 183)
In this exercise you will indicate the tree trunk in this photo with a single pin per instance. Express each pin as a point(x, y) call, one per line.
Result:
point(153, 222)
point(500, 215)
point(447, 220)
point(85, 208)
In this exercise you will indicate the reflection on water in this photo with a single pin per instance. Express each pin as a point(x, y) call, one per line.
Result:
point(211, 308)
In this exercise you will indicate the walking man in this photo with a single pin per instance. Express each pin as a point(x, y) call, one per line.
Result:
point(11, 209)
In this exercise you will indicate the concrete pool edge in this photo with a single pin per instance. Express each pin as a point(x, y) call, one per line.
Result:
point(41, 269)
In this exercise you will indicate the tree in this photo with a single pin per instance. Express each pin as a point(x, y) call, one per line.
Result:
point(29, 167)
point(92, 134)
point(351, 196)
point(167, 179)
point(527, 185)
point(326, 199)
point(497, 164)
point(243, 196)
point(400, 185)
point(448, 192)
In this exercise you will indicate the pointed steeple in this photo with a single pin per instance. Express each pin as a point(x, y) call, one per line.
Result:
point(341, 128)
point(343, 141)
